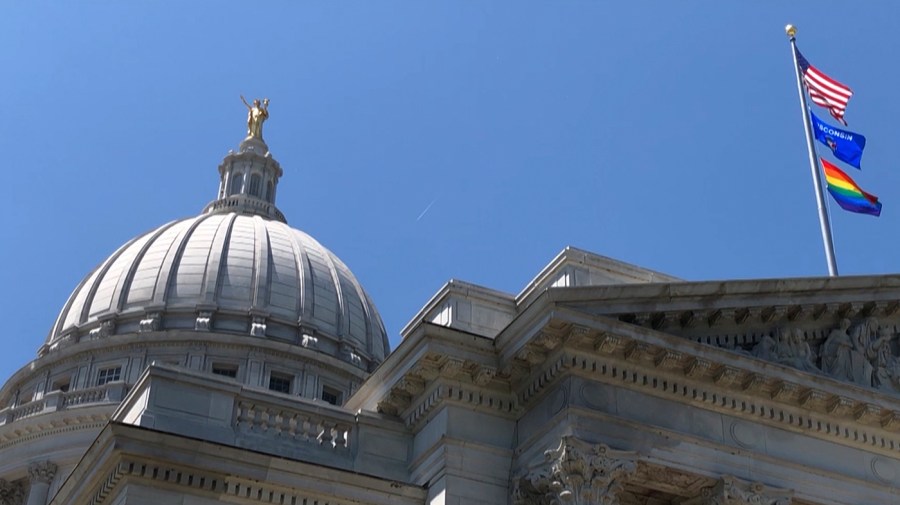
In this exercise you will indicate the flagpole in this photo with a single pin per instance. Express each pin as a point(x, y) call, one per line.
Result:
point(813, 161)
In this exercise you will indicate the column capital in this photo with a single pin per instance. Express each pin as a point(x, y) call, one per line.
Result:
point(576, 472)
point(42, 471)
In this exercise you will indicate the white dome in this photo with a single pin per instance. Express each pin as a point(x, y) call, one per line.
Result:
point(237, 268)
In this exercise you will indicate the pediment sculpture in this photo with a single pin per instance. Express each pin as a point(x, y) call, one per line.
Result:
point(862, 353)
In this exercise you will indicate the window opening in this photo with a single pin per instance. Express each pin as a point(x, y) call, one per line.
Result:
point(224, 370)
point(280, 383)
point(237, 180)
point(109, 375)
point(331, 395)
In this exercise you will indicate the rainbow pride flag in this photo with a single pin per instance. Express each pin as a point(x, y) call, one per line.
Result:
point(847, 194)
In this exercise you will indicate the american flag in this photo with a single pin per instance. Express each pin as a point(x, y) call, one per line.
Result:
point(825, 91)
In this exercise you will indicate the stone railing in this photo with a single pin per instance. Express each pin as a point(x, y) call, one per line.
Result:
point(111, 393)
point(292, 423)
point(26, 410)
point(100, 394)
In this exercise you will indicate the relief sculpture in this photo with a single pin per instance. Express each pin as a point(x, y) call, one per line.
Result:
point(862, 353)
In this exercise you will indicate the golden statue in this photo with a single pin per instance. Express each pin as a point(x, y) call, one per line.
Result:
point(256, 116)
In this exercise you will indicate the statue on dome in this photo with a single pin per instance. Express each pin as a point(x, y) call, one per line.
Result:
point(256, 116)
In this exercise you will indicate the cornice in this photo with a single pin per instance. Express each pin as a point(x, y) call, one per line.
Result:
point(670, 367)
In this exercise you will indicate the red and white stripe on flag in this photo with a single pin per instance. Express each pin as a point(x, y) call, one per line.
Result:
point(827, 92)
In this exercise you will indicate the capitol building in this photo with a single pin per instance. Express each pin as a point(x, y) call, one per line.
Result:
point(230, 358)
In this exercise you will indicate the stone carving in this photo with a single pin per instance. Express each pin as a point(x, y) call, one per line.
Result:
point(258, 326)
point(836, 352)
point(105, 329)
point(484, 375)
point(151, 322)
point(42, 471)
point(788, 347)
point(204, 320)
point(862, 354)
point(733, 491)
point(309, 341)
point(792, 350)
point(11, 493)
point(577, 473)
point(348, 353)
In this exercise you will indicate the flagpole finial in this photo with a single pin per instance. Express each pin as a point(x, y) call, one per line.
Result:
point(790, 30)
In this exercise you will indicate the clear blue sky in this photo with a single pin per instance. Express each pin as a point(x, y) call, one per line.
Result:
point(665, 134)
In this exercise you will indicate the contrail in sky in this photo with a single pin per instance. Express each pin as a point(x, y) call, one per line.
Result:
point(426, 209)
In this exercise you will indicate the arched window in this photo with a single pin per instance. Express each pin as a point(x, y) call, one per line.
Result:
point(269, 188)
point(254, 184)
point(237, 180)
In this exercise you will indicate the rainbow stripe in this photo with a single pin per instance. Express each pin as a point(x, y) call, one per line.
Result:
point(847, 194)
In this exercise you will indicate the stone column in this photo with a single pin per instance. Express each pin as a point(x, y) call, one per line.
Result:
point(40, 474)
point(733, 491)
point(576, 473)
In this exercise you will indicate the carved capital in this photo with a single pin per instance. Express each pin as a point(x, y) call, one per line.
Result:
point(42, 471)
point(578, 473)
point(733, 491)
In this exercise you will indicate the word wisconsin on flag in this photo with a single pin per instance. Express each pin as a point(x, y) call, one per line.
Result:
point(825, 91)
point(846, 145)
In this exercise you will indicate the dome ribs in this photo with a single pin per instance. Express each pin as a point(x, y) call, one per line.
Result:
point(261, 271)
point(216, 262)
point(236, 271)
point(285, 274)
point(142, 285)
point(172, 262)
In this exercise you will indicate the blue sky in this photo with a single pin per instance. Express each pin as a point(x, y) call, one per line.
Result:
point(665, 134)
